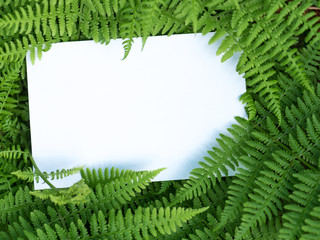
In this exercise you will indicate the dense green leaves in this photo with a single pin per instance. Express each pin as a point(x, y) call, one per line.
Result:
point(275, 193)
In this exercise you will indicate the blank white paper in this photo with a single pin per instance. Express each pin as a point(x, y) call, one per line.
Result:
point(161, 107)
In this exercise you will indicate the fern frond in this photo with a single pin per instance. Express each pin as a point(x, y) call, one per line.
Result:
point(305, 197)
point(264, 40)
point(306, 21)
point(214, 198)
point(247, 99)
point(98, 22)
point(206, 233)
point(310, 57)
point(150, 13)
point(289, 90)
point(272, 189)
point(278, 147)
point(130, 26)
point(7, 183)
point(93, 177)
point(311, 227)
point(14, 153)
point(75, 194)
point(273, 7)
point(15, 51)
point(258, 71)
point(190, 11)
point(164, 187)
point(13, 206)
point(30, 176)
point(9, 75)
point(267, 231)
point(243, 185)
point(257, 154)
point(26, 175)
point(14, 129)
point(59, 15)
point(11, 160)
point(12, 52)
point(305, 141)
point(168, 23)
point(143, 223)
point(12, 4)
point(213, 168)
point(113, 193)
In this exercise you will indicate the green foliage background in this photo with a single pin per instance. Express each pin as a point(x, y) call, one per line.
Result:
point(276, 195)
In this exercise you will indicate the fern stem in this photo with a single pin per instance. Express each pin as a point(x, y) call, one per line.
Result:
point(313, 8)
point(37, 170)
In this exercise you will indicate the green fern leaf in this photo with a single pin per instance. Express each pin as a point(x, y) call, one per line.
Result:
point(92, 177)
point(189, 10)
point(151, 12)
point(29, 175)
point(246, 98)
point(273, 188)
point(305, 197)
point(211, 170)
point(311, 227)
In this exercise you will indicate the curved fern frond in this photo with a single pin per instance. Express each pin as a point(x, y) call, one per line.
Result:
point(258, 71)
point(247, 99)
point(216, 164)
point(130, 25)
